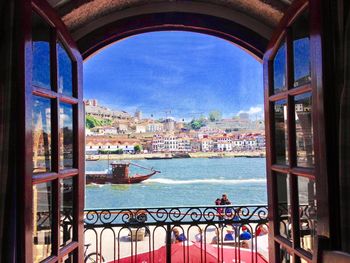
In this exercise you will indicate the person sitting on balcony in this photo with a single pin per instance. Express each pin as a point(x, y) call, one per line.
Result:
point(199, 235)
point(177, 236)
point(245, 235)
point(219, 209)
point(230, 234)
point(236, 218)
point(226, 201)
point(261, 230)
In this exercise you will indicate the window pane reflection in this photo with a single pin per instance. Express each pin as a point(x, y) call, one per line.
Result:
point(284, 205)
point(66, 136)
point(301, 50)
point(279, 70)
point(281, 136)
point(285, 257)
point(66, 211)
point(41, 122)
point(304, 130)
point(42, 213)
point(307, 212)
point(65, 70)
point(41, 53)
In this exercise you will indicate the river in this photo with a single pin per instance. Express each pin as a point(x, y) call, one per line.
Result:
point(182, 182)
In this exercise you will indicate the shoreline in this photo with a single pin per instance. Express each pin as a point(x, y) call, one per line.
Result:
point(143, 156)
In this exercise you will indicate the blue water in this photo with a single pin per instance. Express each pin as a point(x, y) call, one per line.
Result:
point(184, 182)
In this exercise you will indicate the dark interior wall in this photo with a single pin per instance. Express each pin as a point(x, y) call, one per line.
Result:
point(7, 185)
point(336, 52)
point(344, 134)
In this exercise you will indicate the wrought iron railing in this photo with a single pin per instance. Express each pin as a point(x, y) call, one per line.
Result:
point(177, 234)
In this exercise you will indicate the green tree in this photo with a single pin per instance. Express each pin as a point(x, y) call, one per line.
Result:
point(215, 115)
point(197, 124)
point(137, 148)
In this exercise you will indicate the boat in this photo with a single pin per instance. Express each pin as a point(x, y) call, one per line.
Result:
point(92, 158)
point(166, 157)
point(181, 155)
point(119, 175)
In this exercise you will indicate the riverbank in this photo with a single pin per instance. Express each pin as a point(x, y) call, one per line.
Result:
point(141, 156)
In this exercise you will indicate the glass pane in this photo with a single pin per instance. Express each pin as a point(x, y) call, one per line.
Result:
point(41, 52)
point(65, 71)
point(301, 50)
point(279, 70)
point(304, 131)
point(41, 122)
point(66, 211)
point(284, 205)
point(42, 213)
point(307, 212)
point(66, 136)
point(285, 257)
point(281, 136)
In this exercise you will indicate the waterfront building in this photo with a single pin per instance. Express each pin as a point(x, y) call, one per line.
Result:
point(95, 144)
point(196, 145)
point(170, 143)
point(183, 144)
point(158, 143)
point(224, 143)
point(207, 145)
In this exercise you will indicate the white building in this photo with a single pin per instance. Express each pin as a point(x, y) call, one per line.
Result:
point(157, 143)
point(170, 143)
point(207, 145)
point(224, 144)
point(184, 144)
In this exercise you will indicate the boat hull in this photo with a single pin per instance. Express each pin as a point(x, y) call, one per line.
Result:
point(158, 158)
point(102, 178)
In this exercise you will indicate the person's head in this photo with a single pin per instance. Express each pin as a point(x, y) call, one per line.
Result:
point(217, 201)
point(224, 196)
point(229, 229)
point(176, 231)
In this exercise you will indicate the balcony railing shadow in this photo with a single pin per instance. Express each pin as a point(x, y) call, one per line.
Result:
point(177, 234)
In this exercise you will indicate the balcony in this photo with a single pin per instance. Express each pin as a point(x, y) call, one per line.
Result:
point(177, 234)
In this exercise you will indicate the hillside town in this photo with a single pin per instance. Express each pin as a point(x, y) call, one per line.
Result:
point(119, 132)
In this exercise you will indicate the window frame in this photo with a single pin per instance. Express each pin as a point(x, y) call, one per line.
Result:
point(284, 33)
point(58, 33)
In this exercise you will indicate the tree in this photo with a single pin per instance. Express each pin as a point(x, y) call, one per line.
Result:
point(197, 124)
point(137, 148)
point(215, 115)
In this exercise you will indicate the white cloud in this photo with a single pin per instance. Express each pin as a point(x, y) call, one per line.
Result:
point(255, 110)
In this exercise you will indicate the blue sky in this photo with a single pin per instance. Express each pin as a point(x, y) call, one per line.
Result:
point(184, 72)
